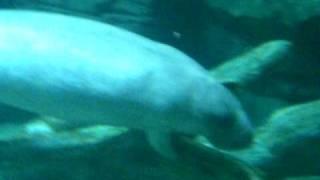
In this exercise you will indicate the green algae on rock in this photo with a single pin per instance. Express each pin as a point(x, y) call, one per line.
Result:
point(287, 11)
point(288, 144)
point(249, 67)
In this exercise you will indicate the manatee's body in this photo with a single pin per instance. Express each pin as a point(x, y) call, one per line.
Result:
point(87, 72)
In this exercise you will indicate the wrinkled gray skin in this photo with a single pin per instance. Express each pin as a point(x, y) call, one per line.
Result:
point(89, 73)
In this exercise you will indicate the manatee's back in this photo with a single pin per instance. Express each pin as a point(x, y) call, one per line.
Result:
point(47, 59)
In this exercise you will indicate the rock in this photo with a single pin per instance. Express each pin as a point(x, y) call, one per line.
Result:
point(287, 11)
point(80, 6)
point(292, 137)
point(288, 145)
point(273, 69)
point(249, 67)
point(305, 178)
point(135, 15)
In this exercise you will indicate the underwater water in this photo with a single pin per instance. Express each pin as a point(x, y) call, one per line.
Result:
point(81, 99)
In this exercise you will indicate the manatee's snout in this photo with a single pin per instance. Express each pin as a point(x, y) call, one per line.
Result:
point(231, 132)
point(233, 140)
point(240, 140)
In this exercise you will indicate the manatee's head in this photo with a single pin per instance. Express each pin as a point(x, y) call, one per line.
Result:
point(224, 122)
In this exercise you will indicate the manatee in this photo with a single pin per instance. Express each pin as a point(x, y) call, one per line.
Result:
point(87, 73)
point(269, 54)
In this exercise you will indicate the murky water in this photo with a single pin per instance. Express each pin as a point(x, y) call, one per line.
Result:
point(84, 98)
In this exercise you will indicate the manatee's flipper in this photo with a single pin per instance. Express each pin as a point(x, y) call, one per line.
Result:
point(42, 135)
point(161, 143)
point(61, 124)
point(249, 67)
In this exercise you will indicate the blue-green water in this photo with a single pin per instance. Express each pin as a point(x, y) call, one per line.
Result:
point(264, 52)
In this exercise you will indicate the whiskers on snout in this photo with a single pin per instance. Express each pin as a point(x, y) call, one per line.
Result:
point(230, 132)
